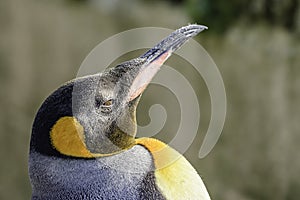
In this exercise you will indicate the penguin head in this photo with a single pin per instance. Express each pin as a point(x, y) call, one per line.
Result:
point(105, 105)
point(94, 116)
point(90, 116)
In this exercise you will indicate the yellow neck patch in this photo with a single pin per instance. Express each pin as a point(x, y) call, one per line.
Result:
point(175, 176)
point(162, 154)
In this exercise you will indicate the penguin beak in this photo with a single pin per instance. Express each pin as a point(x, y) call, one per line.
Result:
point(153, 59)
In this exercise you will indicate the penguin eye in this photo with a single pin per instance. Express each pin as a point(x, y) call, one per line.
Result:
point(100, 104)
point(104, 107)
point(108, 103)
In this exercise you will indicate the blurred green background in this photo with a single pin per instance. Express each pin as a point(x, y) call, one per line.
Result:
point(256, 45)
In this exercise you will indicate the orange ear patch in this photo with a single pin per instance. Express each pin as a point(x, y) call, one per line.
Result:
point(67, 137)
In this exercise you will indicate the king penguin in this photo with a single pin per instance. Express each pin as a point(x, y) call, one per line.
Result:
point(83, 143)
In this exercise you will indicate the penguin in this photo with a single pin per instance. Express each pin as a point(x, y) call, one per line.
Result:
point(83, 143)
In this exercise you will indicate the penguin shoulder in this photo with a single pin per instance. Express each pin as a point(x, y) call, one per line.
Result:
point(175, 176)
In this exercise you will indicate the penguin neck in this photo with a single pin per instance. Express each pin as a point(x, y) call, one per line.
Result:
point(69, 139)
point(112, 141)
point(121, 139)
